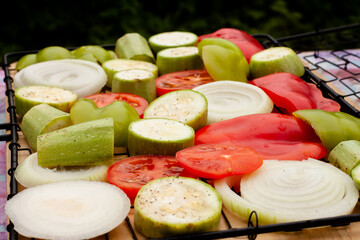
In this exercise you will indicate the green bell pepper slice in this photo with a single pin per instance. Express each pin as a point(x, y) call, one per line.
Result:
point(223, 59)
point(121, 112)
point(331, 127)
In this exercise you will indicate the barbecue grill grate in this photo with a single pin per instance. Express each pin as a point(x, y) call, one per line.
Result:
point(343, 85)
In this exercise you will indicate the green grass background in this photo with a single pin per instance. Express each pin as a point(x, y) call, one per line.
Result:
point(37, 24)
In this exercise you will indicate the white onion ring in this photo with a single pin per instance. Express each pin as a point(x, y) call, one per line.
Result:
point(29, 174)
point(68, 210)
point(285, 191)
point(80, 76)
point(230, 99)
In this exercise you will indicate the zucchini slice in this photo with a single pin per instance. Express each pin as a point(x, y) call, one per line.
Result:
point(178, 59)
point(28, 96)
point(134, 46)
point(116, 65)
point(187, 106)
point(159, 137)
point(275, 59)
point(173, 39)
point(43, 119)
point(136, 81)
point(87, 143)
point(176, 205)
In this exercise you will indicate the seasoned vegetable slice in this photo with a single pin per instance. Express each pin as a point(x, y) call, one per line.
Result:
point(176, 205)
point(187, 106)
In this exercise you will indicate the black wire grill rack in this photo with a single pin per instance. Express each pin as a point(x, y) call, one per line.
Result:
point(347, 61)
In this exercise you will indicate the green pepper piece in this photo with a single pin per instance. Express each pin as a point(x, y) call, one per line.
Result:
point(92, 53)
point(223, 59)
point(331, 127)
point(25, 61)
point(122, 113)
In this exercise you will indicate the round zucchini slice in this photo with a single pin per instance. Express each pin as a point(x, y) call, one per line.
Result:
point(178, 59)
point(173, 206)
point(28, 96)
point(275, 59)
point(159, 137)
point(173, 39)
point(187, 106)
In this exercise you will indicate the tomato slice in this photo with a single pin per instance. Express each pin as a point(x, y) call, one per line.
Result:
point(103, 99)
point(187, 79)
point(132, 173)
point(216, 161)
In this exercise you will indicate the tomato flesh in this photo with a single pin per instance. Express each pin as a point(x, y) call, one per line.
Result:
point(104, 99)
point(132, 173)
point(214, 161)
point(187, 79)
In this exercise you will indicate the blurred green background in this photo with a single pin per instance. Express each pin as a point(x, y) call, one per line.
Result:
point(38, 24)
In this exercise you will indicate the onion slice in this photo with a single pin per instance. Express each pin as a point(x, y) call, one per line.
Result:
point(80, 76)
point(68, 210)
point(29, 174)
point(285, 191)
point(230, 99)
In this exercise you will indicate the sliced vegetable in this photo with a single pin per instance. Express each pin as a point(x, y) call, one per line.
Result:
point(42, 119)
point(187, 106)
point(228, 45)
point(29, 174)
point(53, 53)
point(230, 99)
point(176, 205)
point(79, 76)
point(178, 59)
point(135, 81)
point(116, 65)
point(291, 93)
point(25, 61)
point(345, 155)
point(159, 136)
point(331, 127)
point(123, 114)
point(215, 161)
point(355, 175)
point(93, 53)
point(68, 210)
point(285, 191)
point(28, 96)
point(137, 102)
point(88, 143)
point(247, 43)
point(223, 60)
point(275, 59)
point(134, 46)
point(272, 135)
point(180, 80)
point(173, 39)
point(132, 173)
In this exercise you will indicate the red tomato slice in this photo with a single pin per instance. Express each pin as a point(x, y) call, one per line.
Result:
point(187, 79)
point(132, 173)
point(216, 161)
point(137, 102)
